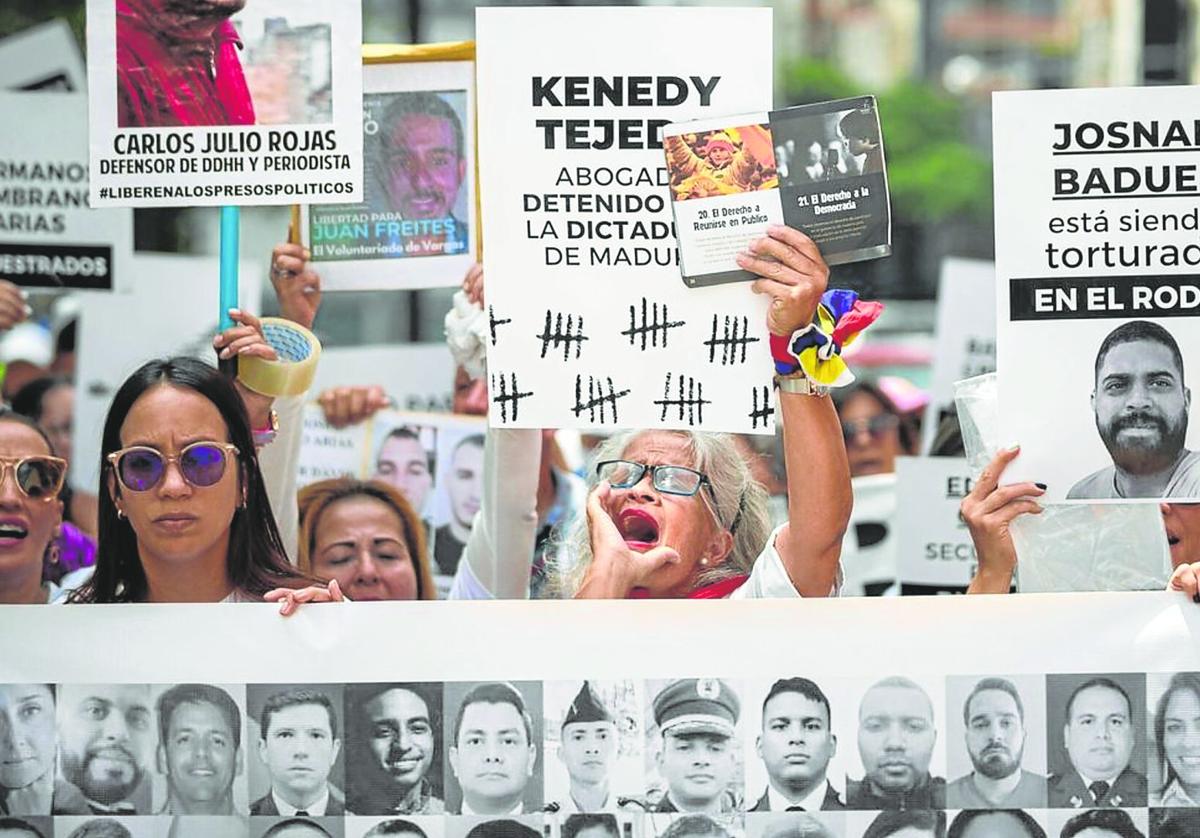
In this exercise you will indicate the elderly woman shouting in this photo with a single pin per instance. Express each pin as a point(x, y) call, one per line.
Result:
point(676, 514)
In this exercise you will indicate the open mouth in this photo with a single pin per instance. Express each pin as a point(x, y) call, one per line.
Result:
point(638, 528)
point(13, 531)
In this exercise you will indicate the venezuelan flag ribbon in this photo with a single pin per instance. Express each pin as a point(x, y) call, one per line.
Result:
point(817, 348)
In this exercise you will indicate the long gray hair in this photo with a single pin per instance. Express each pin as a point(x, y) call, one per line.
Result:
point(740, 502)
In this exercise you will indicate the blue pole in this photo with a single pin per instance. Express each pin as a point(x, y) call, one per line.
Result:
point(230, 223)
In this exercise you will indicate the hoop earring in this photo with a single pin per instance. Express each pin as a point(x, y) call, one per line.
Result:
point(120, 514)
point(55, 553)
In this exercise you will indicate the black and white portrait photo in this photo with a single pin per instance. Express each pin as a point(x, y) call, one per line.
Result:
point(107, 737)
point(27, 751)
point(26, 826)
point(996, 746)
point(822, 824)
point(594, 752)
point(393, 749)
point(493, 744)
point(1174, 702)
point(1096, 736)
point(111, 826)
point(1174, 823)
point(297, 827)
point(694, 753)
point(898, 823)
point(200, 758)
point(1098, 823)
point(409, 826)
point(996, 823)
point(296, 735)
point(1141, 404)
point(790, 764)
point(901, 757)
point(478, 826)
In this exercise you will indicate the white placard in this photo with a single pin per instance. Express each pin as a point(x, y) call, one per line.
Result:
point(934, 551)
point(964, 337)
point(262, 108)
point(869, 548)
point(173, 310)
point(49, 237)
point(591, 322)
point(417, 376)
point(1098, 290)
point(43, 57)
point(416, 225)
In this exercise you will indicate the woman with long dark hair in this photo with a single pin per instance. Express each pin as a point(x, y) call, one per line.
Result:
point(1177, 742)
point(184, 515)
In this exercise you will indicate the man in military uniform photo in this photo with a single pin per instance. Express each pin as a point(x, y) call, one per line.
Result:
point(1099, 737)
point(588, 747)
point(696, 718)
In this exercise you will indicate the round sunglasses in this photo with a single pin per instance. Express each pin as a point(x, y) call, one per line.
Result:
point(39, 478)
point(140, 468)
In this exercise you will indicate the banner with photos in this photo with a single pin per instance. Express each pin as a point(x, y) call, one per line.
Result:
point(628, 719)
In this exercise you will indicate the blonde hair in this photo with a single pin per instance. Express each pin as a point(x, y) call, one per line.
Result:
point(315, 498)
point(740, 503)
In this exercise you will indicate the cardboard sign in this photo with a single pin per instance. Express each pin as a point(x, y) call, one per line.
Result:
point(1098, 290)
point(264, 107)
point(43, 57)
point(934, 551)
point(591, 325)
point(48, 235)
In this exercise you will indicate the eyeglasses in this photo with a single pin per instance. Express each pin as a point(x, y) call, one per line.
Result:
point(141, 468)
point(38, 478)
point(877, 426)
point(671, 480)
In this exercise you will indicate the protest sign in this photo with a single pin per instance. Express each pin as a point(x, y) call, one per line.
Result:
point(869, 547)
point(48, 235)
point(435, 460)
point(965, 335)
point(189, 108)
point(43, 57)
point(1098, 291)
point(930, 654)
point(934, 551)
point(172, 310)
point(416, 226)
point(416, 376)
point(818, 168)
point(590, 323)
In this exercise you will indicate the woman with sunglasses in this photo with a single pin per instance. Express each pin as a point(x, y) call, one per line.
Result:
point(678, 514)
point(875, 431)
point(31, 478)
point(184, 515)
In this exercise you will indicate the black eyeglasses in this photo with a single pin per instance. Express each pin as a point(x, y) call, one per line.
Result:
point(877, 426)
point(671, 480)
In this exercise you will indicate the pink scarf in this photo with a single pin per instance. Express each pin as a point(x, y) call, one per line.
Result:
point(155, 89)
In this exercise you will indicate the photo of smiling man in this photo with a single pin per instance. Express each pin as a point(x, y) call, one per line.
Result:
point(696, 750)
point(492, 748)
point(1141, 405)
point(200, 751)
point(297, 769)
point(393, 762)
point(106, 743)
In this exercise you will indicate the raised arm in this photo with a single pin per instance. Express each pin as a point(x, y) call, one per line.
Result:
point(818, 475)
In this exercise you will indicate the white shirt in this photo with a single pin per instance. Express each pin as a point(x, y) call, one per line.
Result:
point(811, 803)
point(516, 810)
point(316, 810)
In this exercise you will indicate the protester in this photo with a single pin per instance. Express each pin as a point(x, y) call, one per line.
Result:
point(30, 513)
point(875, 430)
point(990, 509)
point(367, 537)
point(27, 769)
point(201, 531)
point(1177, 742)
point(677, 514)
point(26, 352)
point(50, 401)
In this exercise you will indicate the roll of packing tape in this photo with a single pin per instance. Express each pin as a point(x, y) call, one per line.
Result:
point(292, 374)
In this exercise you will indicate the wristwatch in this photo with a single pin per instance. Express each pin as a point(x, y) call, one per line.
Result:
point(800, 384)
point(265, 436)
